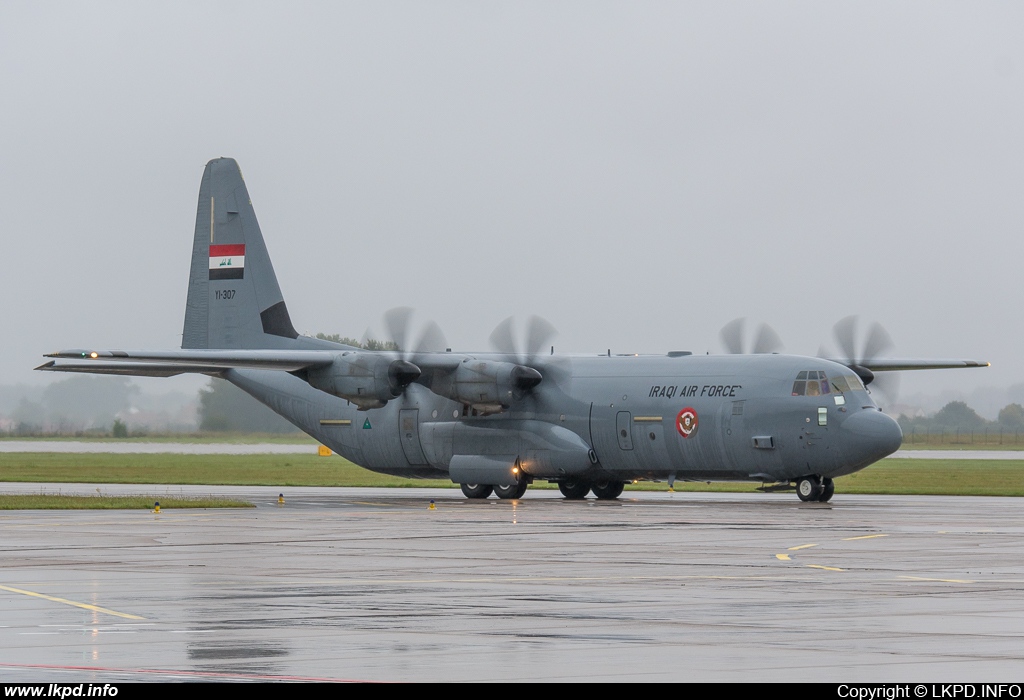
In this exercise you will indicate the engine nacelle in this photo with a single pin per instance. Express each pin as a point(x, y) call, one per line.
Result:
point(490, 387)
point(367, 379)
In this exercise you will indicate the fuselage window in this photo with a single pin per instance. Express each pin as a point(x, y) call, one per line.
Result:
point(811, 383)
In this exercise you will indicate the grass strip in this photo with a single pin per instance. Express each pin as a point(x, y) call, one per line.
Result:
point(178, 438)
point(952, 477)
point(59, 502)
point(240, 470)
point(934, 477)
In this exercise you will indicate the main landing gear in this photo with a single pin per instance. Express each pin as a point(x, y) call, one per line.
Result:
point(514, 491)
point(572, 490)
point(477, 490)
point(815, 488)
point(485, 490)
point(578, 490)
point(608, 490)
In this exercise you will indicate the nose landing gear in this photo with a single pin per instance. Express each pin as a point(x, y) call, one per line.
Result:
point(815, 488)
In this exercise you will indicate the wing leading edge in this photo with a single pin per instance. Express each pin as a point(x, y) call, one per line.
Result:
point(899, 365)
point(189, 360)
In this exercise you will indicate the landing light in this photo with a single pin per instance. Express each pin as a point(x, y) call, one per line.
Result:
point(93, 355)
point(515, 470)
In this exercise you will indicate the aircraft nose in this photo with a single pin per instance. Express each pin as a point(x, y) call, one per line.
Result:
point(870, 435)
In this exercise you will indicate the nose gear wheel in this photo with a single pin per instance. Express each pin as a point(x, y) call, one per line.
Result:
point(809, 488)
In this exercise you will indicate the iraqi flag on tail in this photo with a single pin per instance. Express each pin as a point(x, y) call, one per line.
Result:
point(227, 262)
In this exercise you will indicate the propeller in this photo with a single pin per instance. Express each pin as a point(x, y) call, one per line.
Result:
point(733, 337)
point(858, 349)
point(532, 365)
point(398, 329)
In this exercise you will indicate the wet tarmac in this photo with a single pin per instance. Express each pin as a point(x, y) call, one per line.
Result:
point(371, 584)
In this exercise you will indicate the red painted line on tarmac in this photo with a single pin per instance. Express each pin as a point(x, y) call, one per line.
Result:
point(197, 674)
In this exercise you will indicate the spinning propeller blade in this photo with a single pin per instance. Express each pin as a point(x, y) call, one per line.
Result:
point(535, 366)
point(398, 328)
point(876, 342)
point(733, 337)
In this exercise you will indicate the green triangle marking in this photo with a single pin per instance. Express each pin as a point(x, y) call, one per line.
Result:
point(366, 425)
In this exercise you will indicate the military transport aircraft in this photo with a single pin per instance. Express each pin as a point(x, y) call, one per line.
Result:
point(495, 422)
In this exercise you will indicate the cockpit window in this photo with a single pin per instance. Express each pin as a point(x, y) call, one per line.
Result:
point(842, 384)
point(813, 382)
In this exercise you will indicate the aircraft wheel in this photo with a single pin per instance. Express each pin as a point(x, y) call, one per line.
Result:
point(828, 489)
point(808, 488)
point(513, 491)
point(608, 490)
point(477, 490)
point(574, 490)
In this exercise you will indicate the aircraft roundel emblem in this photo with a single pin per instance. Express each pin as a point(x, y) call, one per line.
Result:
point(686, 422)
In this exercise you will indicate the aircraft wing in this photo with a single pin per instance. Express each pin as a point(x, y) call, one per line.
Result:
point(896, 365)
point(169, 363)
point(194, 360)
point(130, 369)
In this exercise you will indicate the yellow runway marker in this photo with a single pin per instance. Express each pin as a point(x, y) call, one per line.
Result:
point(803, 546)
point(826, 568)
point(782, 557)
point(862, 537)
point(65, 601)
point(938, 580)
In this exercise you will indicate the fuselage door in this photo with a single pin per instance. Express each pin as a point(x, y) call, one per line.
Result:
point(409, 433)
point(624, 429)
point(734, 433)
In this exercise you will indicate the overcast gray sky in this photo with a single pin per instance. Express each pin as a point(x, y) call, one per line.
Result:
point(639, 173)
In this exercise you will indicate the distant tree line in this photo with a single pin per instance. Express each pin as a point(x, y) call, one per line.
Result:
point(958, 416)
point(76, 405)
point(368, 344)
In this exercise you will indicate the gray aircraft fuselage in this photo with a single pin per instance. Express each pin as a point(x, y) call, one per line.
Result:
point(626, 409)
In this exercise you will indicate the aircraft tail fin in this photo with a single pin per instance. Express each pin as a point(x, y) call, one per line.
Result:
point(234, 300)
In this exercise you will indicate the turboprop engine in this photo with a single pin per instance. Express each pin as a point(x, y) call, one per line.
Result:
point(367, 379)
point(489, 387)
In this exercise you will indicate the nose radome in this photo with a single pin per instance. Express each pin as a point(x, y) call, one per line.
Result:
point(871, 435)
